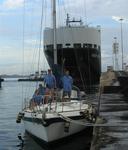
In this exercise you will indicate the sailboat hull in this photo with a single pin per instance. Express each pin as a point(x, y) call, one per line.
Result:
point(52, 132)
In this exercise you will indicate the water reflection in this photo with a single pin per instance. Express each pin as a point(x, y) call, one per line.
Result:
point(27, 143)
point(114, 135)
point(101, 140)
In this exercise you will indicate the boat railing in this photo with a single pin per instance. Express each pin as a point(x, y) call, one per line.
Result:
point(63, 103)
point(56, 103)
point(26, 103)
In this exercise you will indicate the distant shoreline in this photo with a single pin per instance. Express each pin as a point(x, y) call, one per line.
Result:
point(13, 76)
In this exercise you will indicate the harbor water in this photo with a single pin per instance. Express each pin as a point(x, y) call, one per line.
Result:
point(113, 135)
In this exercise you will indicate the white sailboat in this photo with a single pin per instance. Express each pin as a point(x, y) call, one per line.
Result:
point(57, 119)
point(50, 123)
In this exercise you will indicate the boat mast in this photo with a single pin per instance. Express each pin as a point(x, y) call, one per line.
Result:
point(54, 32)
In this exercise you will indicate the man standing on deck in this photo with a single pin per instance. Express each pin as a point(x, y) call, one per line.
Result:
point(67, 82)
point(50, 82)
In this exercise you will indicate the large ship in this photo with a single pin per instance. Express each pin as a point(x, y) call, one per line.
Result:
point(78, 50)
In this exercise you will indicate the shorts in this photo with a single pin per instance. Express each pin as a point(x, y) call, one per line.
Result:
point(67, 93)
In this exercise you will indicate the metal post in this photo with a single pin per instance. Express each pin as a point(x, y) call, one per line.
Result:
point(115, 52)
point(99, 100)
point(67, 20)
point(121, 19)
point(54, 32)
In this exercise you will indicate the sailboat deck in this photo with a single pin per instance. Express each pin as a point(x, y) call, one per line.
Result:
point(68, 108)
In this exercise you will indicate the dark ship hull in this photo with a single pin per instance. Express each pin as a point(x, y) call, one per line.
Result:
point(84, 65)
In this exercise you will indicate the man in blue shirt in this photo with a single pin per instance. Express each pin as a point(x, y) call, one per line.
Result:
point(50, 80)
point(67, 84)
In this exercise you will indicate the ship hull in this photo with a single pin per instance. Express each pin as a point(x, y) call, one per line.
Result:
point(84, 65)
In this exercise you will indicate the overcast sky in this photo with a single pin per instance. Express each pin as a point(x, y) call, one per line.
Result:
point(20, 29)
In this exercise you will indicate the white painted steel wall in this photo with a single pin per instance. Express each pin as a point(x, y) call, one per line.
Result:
point(73, 35)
